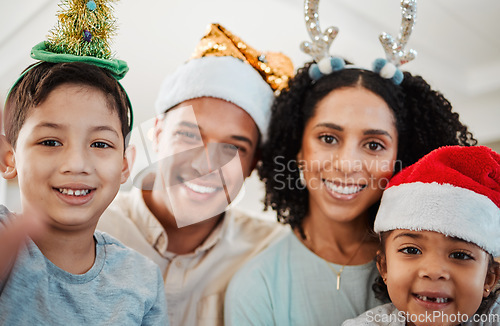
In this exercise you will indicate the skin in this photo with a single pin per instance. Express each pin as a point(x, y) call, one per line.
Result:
point(12, 236)
point(197, 142)
point(70, 142)
point(351, 143)
point(420, 267)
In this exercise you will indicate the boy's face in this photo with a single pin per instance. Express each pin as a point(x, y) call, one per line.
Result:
point(206, 148)
point(69, 157)
point(429, 274)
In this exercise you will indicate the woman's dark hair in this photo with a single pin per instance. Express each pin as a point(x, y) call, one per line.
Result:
point(424, 121)
point(382, 294)
point(40, 79)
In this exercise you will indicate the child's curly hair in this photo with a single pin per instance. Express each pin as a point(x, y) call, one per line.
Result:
point(424, 121)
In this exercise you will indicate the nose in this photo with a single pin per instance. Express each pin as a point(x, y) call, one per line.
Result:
point(201, 160)
point(75, 160)
point(433, 269)
point(347, 159)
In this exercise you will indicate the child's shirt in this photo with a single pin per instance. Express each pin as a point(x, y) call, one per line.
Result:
point(122, 288)
point(389, 315)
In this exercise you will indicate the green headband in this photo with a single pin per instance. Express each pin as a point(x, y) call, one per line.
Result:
point(117, 68)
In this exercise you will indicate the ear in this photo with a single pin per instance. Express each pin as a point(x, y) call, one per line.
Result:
point(299, 156)
point(128, 162)
point(158, 129)
point(256, 158)
point(381, 265)
point(7, 159)
point(492, 278)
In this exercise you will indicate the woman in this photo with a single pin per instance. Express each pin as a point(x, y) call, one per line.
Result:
point(333, 144)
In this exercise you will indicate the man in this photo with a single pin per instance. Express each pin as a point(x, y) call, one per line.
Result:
point(214, 113)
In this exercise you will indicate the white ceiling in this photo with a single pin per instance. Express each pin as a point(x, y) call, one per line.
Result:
point(456, 40)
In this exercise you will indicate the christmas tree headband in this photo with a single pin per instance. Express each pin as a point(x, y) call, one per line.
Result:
point(394, 49)
point(82, 35)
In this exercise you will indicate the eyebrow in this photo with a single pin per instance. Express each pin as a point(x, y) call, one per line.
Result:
point(377, 132)
point(365, 132)
point(189, 124)
point(410, 235)
point(49, 125)
point(329, 125)
point(105, 128)
point(195, 126)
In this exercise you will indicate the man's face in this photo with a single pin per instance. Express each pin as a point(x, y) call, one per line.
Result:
point(206, 148)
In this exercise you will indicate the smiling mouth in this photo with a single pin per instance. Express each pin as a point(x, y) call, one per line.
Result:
point(74, 192)
point(432, 299)
point(200, 189)
point(343, 189)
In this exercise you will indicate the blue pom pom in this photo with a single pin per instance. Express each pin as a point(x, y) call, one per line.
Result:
point(378, 64)
point(398, 77)
point(87, 36)
point(337, 63)
point(314, 72)
point(91, 5)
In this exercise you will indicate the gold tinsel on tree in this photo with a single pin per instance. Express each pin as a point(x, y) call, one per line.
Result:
point(84, 28)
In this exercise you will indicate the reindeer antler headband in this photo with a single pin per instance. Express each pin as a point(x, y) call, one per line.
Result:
point(388, 68)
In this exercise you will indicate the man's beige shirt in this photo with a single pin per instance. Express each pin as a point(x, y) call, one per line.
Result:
point(195, 283)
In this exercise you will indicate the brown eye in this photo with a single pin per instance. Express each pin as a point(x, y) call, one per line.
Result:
point(328, 139)
point(50, 143)
point(375, 146)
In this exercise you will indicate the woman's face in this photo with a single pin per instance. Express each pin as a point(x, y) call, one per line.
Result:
point(348, 153)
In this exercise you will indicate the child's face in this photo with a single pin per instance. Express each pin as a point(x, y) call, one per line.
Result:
point(69, 157)
point(429, 273)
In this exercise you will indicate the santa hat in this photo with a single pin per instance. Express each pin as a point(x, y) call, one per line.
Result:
point(453, 190)
point(225, 67)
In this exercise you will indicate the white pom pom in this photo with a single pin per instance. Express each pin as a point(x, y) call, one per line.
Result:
point(325, 66)
point(388, 70)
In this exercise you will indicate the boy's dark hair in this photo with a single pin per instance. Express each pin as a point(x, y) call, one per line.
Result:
point(40, 79)
point(382, 294)
point(424, 121)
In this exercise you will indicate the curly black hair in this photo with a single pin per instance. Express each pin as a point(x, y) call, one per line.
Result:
point(424, 121)
point(382, 294)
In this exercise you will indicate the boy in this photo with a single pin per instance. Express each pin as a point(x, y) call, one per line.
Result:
point(213, 116)
point(66, 122)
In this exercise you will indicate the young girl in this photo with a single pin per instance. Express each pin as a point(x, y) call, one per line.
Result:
point(439, 222)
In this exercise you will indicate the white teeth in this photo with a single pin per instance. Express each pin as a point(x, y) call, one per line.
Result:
point(200, 189)
point(344, 190)
point(71, 192)
point(429, 299)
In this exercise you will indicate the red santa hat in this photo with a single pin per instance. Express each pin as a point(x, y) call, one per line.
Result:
point(453, 190)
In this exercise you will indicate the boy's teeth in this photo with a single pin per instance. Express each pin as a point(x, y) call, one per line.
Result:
point(429, 299)
point(344, 190)
point(200, 189)
point(71, 192)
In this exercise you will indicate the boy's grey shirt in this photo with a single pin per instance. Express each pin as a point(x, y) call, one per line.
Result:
point(122, 288)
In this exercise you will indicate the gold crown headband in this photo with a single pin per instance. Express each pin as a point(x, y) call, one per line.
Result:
point(275, 68)
point(388, 68)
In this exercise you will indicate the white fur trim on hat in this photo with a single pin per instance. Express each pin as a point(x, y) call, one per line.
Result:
point(225, 78)
point(443, 208)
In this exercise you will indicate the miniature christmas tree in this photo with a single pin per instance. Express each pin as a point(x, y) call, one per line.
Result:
point(84, 28)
